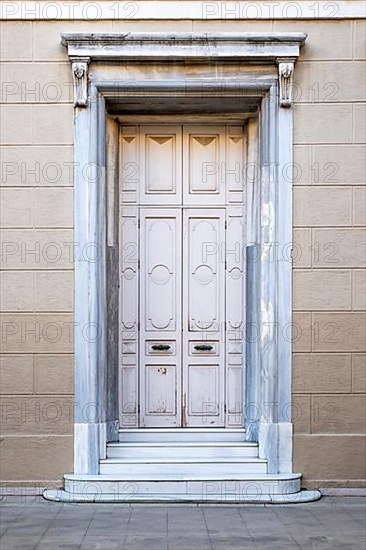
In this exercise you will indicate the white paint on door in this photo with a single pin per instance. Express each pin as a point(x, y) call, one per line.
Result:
point(182, 236)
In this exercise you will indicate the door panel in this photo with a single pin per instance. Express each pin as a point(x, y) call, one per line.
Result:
point(203, 316)
point(203, 155)
point(160, 391)
point(204, 291)
point(235, 307)
point(129, 316)
point(159, 278)
point(203, 396)
point(129, 164)
point(160, 316)
point(161, 164)
point(233, 171)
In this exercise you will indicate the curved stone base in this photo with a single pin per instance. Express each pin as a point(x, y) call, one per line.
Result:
point(199, 489)
point(295, 498)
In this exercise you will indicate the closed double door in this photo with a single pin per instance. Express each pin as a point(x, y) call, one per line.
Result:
point(182, 277)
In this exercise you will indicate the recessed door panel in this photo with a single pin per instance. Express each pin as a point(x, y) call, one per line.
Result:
point(160, 272)
point(161, 164)
point(129, 316)
point(233, 172)
point(129, 164)
point(204, 394)
point(160, 390)
point(203, 156)
point(203, 245)
point(235, 304)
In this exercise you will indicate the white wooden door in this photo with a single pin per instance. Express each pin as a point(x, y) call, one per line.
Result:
point(182, 276)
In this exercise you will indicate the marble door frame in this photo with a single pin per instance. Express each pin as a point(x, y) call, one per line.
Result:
point(106, 67)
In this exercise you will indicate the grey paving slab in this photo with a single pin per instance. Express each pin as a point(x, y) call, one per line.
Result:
point(235, 544)
point(14, 541)
point(190, 540)
point(98, 543)
point(333, 523)
point(58, 543)
point(145, 542)
point(96, 529)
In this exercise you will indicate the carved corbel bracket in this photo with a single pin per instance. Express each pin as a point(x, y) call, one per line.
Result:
point(80, 79)
point(286, 81)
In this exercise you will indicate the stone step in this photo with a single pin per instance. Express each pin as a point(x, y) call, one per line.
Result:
point(179, 466)
point(170, 487)
point(159, 435)
point(180, 450)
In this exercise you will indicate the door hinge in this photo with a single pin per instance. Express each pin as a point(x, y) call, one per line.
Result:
point(225, 224)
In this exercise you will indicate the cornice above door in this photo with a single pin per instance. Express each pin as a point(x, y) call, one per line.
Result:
point(281, 49)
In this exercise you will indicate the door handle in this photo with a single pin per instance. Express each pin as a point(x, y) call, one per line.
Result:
point(160, 347)
point(203, 347)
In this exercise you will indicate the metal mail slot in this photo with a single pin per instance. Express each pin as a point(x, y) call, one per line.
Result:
point(165, 347)
point(203, 348)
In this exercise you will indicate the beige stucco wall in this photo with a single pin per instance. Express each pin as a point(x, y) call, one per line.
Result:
point(329, 277)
